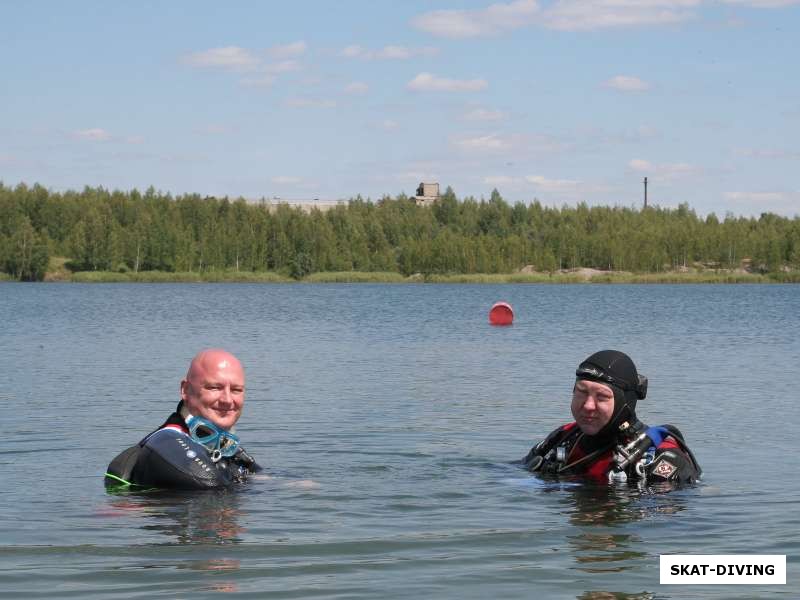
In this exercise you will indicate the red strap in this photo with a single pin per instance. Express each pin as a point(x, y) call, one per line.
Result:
point(598, 468)
point(176, 426)
point(669, 443)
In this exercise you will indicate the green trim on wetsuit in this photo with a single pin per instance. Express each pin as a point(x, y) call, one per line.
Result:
point(120, 479)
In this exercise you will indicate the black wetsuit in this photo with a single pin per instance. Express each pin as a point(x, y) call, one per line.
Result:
point(624, 448)
point(170, 458)
point(670, 461)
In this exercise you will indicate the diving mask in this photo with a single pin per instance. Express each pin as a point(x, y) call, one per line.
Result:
point(217, 441)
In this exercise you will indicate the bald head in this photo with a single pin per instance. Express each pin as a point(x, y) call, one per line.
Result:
point(213, 358)
point(214, 387)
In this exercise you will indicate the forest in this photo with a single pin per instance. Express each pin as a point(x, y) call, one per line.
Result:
point(130, 232)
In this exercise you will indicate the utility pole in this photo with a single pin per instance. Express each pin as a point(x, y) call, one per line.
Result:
point(645, 192)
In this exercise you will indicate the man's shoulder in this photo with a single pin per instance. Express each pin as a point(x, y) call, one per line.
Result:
point(167, 432)
point(562, 431)
point(558, 435)
point(173, 444)
point(533, 460)
point(127, 464)
point(171, 458)
point(673, 461)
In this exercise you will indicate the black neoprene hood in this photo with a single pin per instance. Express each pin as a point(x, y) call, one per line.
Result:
point(615, 369)
point(610, 366)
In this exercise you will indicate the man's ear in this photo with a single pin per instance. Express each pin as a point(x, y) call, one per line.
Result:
point(184, 389)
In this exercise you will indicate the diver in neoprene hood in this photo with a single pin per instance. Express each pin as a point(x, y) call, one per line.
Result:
point(607, 441)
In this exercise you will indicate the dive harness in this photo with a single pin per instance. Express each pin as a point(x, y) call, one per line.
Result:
point(635, 451)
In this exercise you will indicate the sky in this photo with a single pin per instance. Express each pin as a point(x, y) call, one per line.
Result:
point(563, 101)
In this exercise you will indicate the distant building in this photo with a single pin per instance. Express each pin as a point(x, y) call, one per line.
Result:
point(427, 193)
point(304, 205)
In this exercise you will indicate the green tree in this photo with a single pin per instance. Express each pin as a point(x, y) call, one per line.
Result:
point(25, 253)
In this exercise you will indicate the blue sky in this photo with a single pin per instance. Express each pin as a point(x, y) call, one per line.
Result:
point(564, 101)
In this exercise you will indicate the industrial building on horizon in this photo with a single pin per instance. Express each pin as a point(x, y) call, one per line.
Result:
point(427, 194)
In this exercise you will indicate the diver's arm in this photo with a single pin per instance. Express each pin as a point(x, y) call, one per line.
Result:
point(243, 459)
point(533, 460)
point(120, 469)
point(172, 459)
point(672, 464)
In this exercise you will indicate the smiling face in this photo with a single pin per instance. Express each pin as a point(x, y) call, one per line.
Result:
point(592, 405)
point(214, 388)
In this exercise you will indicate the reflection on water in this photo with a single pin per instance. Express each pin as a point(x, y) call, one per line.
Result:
point(600, 595)
point(602, 544)
point(610, 506)
point(390, 403)
point(231, 565)
point(198, 518)
point(190, 518)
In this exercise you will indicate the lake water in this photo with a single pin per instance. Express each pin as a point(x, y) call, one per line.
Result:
point(387, 417)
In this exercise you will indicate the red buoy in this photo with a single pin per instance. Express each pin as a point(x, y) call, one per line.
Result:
point(501, 314)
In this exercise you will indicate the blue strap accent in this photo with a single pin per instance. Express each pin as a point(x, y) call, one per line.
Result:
point(657, 433)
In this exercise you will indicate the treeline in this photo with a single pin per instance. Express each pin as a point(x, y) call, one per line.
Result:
point(101, 230)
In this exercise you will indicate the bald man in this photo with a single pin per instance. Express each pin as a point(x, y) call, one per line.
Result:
point(214, 388)
point(196, 447)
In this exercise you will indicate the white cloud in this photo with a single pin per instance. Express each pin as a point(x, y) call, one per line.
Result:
point(627, 83)
point(643, 132)
point(638, 134)
point(416, 176)
point(387, 52)
point(214, 129)
point(484, 114)
point(755, 197)
point(389, 125)
point(261, 74)
point(763, 3)
point(395, 52)
point(768, 153)
point(284, 66)
point(288, 50)
point(637, 164)
point(664, 171)
point(98, 134)
point(523, 146)
point(357, 87)
point(786, 203)
point(484, 143)
point(586, 15)
point(495, 19)
point(258, 81)
point(426, 82)
point(228, 57)
point(569, 15)
point(552, 185)
point(94, 135)
point(310, 103)
point(267, 74)
point(352, 51)
point(564, 188)
point(499, 180)
point(286, 180)
point(545, 144)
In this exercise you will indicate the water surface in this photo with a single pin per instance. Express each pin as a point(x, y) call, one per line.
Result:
point(386, 416)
